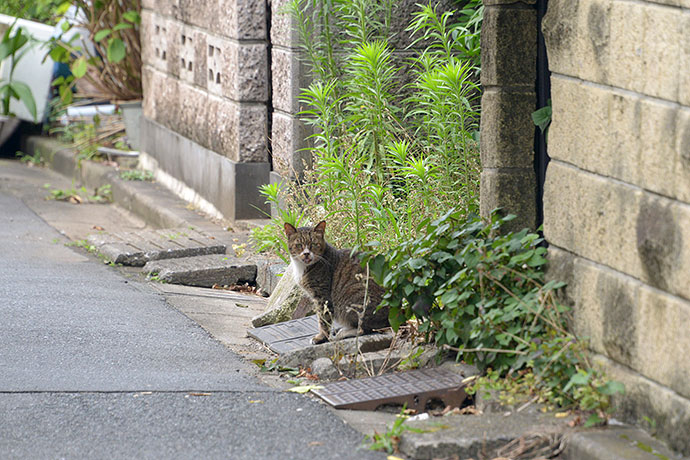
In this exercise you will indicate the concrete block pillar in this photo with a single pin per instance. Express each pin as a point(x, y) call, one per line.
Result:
point(288, 75)
point(206, 92)
point(509, 64)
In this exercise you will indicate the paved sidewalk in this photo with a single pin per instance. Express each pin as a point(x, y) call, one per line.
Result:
point(226, 316)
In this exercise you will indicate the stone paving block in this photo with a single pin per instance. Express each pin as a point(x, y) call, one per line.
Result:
point(620, 226)
point(283, 302)
point(507, 129)
point(289, 140)
point(615, 443)
point(509, 51)
point(203, 271)
point(137, 248)
point(662, 44)
point(305, 356)
point(468, 436)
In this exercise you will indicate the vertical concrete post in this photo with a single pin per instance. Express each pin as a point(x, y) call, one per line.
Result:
point(509, 55)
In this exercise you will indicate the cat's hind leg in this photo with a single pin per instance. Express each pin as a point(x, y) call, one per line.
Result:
point(323, 313)
point(347, 332)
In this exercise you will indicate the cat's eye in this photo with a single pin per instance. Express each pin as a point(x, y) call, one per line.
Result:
point(299, 246)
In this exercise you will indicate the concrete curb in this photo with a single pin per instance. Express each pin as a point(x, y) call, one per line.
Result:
point(151, 202)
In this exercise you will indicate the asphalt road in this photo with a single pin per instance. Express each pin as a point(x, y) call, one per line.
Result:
point(94, 365)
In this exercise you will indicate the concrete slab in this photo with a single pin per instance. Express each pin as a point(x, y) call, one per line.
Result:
point(138, 248)
point(472, 436)
point(363, 344)
point(615, 443)
point(203, 271)
point(75, 221)
point(225, 315)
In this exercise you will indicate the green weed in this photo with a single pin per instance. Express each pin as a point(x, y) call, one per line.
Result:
point(389, 440)
point(136, 175)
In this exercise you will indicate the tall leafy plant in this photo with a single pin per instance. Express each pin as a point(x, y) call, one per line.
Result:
point(114, 65)
point(14, 45)
point(385, 154)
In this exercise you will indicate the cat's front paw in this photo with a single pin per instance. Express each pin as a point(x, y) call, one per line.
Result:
point(319, 338)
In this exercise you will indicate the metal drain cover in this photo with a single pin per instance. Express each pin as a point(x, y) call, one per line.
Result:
point(416, 388)
point(287, 336)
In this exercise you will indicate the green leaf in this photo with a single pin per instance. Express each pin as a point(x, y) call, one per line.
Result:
point(78, 67)
point(302, 389)
point(581, 378)
point(416, 263)
point(23, 93)
point(101, 34)
point(611, 388)
point(116, 50)
point(542, 117)
point(62, 9)
point(122, 25)
point(593, 419)
point(132, 16)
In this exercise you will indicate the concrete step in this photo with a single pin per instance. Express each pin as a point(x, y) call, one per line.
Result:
point(203, 271)
point(138, 248)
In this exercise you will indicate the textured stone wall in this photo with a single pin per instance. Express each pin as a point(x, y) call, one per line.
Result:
point(617, 193)
point(509, 65)
point(290, 74)
point(206, 78)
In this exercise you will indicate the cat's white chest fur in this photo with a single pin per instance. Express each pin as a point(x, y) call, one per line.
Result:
point(297, 267)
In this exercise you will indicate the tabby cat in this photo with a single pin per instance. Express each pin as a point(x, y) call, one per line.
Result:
point(336, 283)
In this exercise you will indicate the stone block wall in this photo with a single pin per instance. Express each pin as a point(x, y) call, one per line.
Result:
point(289, 74)
point(617, 194)
point(206, 92)
point(509, 66)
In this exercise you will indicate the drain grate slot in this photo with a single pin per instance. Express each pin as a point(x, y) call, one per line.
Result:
point(414, 388)
point(287, 336)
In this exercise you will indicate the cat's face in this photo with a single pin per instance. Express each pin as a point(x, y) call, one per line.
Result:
point(306, 244)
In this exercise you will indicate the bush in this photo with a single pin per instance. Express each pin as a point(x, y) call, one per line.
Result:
point(33, 10)
point(482, 294)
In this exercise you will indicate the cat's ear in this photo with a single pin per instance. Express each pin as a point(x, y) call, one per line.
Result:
point(289, 229)
point(320, 227)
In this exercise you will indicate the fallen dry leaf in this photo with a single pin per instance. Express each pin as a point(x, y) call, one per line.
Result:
point(98, 227)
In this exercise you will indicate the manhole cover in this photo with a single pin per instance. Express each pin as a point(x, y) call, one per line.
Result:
point(287, 336)
point(416, 388)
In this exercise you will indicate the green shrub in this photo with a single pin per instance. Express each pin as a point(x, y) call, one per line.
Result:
point(35, 10)
point(482, 294)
